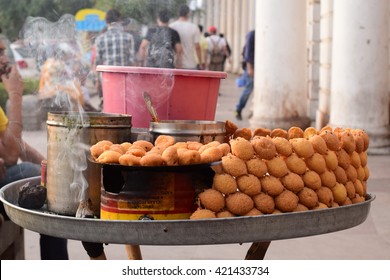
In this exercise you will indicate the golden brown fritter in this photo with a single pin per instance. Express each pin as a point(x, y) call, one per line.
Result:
point(340, 174)
point(295, 132)
point(164, 141)
point(253, 212)
point(212, 199)
point(109, 156)
point(261, 131)
point(325, 196)
point(350, 188)
point(316, 163)
point(277, 167)
point(293, 182)
point(308, 197)
point(310, 132)
point(283, 146)
point(242, 148)
point(249, 184)
point(230, 128)
point(264, 203)
point(319, 144)
point(302, 147)
point(343, 158)
point(287, 201)
point(234, 165)
point(203, 214)
point(271, 185)
point(332, 141)
point(279, 132)
point(187, 157)
point(312, 180)
point(339, 193)
point(296, 164)
point(224, 183)
point(211, 154)
point(264, 147)
point(244, 132)
point(331, 160)
point(256, 167)
point(347, 141)
point(146, 145)
point(225, 214)
point(170, 156)
point(239, 203)
point(152, 159)
point(129, 160)
point(328, 179)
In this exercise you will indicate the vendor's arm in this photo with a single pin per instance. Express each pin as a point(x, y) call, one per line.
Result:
point(11, 138)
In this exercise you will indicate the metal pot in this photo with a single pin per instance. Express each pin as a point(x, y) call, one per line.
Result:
point(189, 130)
point(71, 178)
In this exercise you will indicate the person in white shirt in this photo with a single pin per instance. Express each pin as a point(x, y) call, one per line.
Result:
point(189, 35)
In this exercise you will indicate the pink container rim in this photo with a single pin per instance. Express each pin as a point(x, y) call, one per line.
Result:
point(161, 71)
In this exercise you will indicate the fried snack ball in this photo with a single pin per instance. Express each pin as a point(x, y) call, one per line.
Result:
point(249, 184)
point(293, 182)
point(358, 199)
point(203, 214)
point(319, 144)
point(347, 141)
point(136, 151)
point(312, 180)
point(211, 154)
point(331, 160)
point(230, 128)
point(359, 142)
point(181, 145)
point(325, 196)
point(308, 197)
point(170, 156)
point(164, 141)
point(234, 165)
point(351, 173)
point(152, 159)
point(129, 160)
point(364, 135)
point(355, 159)
point(212, 199)
point(277, 211)
point(126, 146)
point(326, 128)
point(302, 147)
point(264, 203)
point(363, 158)
point(279, 132)
point(224, 183)
point(146, 145)
point(350, 188)
point(366, 173)
point(359, 188)
point(287, 201)
point(243, 132)
point(343, 158)
point(283, 146)
point(98, 148)
point(225, 214)
point(261, 131)
point(117, 147)
point(225, 148)
point(187, 157)
point(239, 203)
point(109, 156)
point(254, 212)
point(208, 145)
point(328, 179)
point(242, 148)
point(339, 193)
point(316, 163)
point(193, 145)
point(332, 141)
point(310, 132)
point(296, 164)
point(340, 174)
point(277, 167)
point(264, 147)
point(295, 132)
point(271, 185)
point(320, 206)
point(157, 150)
point(256, 167)
point(301, 208)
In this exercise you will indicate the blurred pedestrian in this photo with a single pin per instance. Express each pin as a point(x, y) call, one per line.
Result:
point(161, 46)
point(18, 160)
point(217, 50)
point(189, 37)
point(249, 59)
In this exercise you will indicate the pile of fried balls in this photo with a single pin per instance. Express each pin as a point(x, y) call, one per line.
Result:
point(278, 171)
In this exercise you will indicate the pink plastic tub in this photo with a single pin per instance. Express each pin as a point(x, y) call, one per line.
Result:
point(176, 94)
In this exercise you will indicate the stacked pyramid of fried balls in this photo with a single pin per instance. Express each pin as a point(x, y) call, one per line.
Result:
point(262, 171)
point(278, 171)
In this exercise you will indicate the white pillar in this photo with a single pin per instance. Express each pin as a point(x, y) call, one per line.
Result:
point(360, 97)
point(280, 88)
point(322, 115)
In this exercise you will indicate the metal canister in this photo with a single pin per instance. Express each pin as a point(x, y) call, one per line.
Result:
point(71, 178)
point(189, 130)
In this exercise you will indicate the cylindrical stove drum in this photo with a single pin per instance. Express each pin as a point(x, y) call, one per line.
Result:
point(72, 178)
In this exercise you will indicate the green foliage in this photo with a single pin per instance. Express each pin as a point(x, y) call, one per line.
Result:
point(30, 87)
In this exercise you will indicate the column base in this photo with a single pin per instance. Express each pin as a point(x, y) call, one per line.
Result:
point(322, 119)
point(272, 123)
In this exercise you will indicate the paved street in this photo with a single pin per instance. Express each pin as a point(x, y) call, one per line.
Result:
point(370, 240)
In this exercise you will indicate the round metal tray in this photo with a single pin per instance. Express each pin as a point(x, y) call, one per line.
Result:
point(184, 232)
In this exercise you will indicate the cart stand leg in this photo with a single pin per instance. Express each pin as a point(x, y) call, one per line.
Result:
point(133, 252)
point(257, 251)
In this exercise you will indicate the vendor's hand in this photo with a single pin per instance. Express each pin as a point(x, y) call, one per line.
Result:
point(13, 82)
point(2, 169)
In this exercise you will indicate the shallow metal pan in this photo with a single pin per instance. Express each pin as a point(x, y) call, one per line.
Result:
point(184, 232)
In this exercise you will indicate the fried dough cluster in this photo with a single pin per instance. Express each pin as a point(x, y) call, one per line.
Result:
point(165, 151)
point(278, 171)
